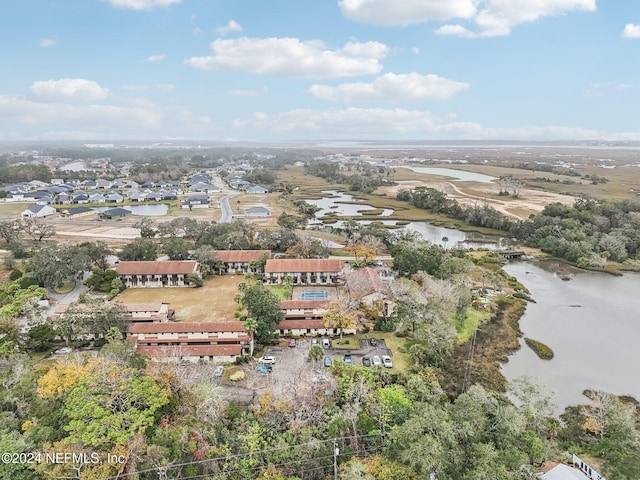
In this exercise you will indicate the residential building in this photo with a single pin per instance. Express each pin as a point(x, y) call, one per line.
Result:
point(75, 212)
point(154, 274)
point(257, 212)
point(190, 341)
point(154, 312)
point(367, 285)
point(239, 261)
point(304, 271)
point(115, 213)
point(256, 189)
point(38, 211)
point(196, 201)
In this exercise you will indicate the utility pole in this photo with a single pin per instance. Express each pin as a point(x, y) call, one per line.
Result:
point(336, 452)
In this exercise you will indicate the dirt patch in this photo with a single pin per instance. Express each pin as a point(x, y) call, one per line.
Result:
point(213, 302)
point(529, 201)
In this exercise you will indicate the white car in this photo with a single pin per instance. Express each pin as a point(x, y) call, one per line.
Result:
point(267, 359)
point(376, 361)
point(218, 371)
point(386, 361)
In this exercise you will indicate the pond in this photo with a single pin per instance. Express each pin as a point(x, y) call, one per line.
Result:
point(591, 324)
point(460, 175)
point(335, 203)
point(146, 210)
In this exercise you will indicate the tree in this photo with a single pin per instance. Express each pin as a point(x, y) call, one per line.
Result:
point(264, 306)
point(340, 314)
point(176, 248)
point(194, 279)
point(100, 280)
point(37, 229)
point(10, 231)
point(140, 249)
point(250, 326)
point(147, 227)
point(316, 352)
point(111, 407)
point(97, 252)
point(54, 264)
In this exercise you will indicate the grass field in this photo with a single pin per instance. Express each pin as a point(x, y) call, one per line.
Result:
point(213, 302)
point(473, 320)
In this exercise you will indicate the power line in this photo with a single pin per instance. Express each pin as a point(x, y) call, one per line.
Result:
point(162, 470)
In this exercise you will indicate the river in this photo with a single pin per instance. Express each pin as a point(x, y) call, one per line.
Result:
point(590, 322)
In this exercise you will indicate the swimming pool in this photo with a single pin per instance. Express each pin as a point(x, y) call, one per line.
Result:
point(314, 295)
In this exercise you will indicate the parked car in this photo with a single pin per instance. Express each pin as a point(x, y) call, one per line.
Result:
point(292, 343)
point(265, 368)
point(373, 342)
point(366, 362)
point(347, 360)
point(326, 343)
point(327, 361)
point(314, 341)
point(267, 359)
point(386, 361)
point(376, 361)
point(218, 371)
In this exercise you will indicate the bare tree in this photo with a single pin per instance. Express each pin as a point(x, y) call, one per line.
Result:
point(37, 229)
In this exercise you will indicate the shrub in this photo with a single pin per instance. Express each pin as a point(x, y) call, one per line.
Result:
point(15, 274)
point(99, 342)
point(240, 359)
point(26, 282)
point(237, 376)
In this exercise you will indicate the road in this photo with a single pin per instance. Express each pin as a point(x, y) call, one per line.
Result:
point(225, 207)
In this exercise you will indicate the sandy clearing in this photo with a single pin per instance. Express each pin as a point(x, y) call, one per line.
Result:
point(529, 202)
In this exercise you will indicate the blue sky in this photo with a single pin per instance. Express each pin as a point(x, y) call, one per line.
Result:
point(278, 70)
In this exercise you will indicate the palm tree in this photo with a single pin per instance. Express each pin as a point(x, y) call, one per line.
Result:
point(316, 352)
point(250, 326)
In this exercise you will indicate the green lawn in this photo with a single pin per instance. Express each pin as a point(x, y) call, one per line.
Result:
point(283, 292)
point(473, 320)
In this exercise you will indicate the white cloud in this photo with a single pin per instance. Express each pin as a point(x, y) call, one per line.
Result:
point(155, 58)
point(135, 88)
point(492, 17)
point(69, 89)
point(376, 123)
point(456, 31)
point(411, 87)
point(165, 87)
point(415, 51)
point(47, 42)
point(498, 17)
point(135, 119)
point(256, 92)
point(406, 12)
point(290, 57)
point(631, 31)
point(197, 31)
point(141, 4)
point(230, 27)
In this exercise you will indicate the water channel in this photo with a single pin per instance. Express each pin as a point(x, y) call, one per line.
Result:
point(590, 322)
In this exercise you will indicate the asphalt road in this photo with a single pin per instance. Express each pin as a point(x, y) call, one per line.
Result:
point(225, 207)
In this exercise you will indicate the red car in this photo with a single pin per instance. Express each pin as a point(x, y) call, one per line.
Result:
point(292, 342)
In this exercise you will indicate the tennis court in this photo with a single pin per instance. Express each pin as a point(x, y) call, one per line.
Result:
point(314, 295)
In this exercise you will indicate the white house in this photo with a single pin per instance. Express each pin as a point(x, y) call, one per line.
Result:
point(41, 211)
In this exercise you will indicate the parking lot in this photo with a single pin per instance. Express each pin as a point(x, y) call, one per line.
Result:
point(293, 372)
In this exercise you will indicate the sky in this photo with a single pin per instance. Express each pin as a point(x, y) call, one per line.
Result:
point(295, 70)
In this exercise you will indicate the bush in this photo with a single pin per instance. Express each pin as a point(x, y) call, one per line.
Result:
point(237, 376)
point(26, 282)
point(100, 342)
point(81, 343)
point(240, 359)
point(15, 274)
